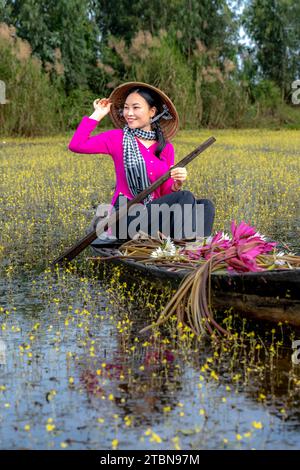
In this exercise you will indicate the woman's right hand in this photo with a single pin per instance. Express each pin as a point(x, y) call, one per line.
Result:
point(102, 105)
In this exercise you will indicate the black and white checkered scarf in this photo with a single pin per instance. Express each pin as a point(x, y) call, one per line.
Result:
point(134, 163)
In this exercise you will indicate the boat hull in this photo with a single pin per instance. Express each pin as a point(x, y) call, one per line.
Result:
point(268, 295)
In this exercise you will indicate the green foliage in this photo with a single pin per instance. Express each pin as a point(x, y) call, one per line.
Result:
point(200, 88)
point(54, 29)
point(65, 53)
point(224, 105)
point(33, 103)
point(267, 93)
point(210, 21)
point(273, 25)
point(76, 105)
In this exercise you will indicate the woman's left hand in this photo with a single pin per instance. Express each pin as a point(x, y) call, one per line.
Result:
point(179, 174)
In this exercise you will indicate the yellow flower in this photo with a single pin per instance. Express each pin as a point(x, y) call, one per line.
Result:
point(128, 421)
point(155, 438)
point(114, 444)
point(50, 427)
point(257, 424)
point(176, 443)
point(214, 375)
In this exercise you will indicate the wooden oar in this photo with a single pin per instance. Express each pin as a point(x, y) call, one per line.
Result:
point(78, 247)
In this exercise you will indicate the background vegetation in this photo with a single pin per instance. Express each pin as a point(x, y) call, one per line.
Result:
point(56, 57)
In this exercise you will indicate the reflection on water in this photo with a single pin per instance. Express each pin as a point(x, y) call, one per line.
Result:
point(77, 375)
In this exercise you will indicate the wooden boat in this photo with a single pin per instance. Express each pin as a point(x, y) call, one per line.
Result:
point(268, 295)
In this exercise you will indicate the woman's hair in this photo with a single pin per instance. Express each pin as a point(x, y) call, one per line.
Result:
point(153, 100)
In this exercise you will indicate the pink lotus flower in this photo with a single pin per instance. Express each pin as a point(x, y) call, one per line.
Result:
point(239, 252)
point(241, 231)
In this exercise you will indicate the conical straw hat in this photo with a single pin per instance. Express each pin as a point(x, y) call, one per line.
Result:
point(169, 126)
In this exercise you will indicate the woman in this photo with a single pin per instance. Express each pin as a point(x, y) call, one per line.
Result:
point(145, 119)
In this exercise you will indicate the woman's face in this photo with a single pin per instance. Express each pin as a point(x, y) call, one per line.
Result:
point(137, 112)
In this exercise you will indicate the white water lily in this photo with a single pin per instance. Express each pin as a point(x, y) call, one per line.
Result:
point(158, 253)
point(208, 240)
point(259, 235)
point(225, 236)
point(279, 262)
point(165, 250)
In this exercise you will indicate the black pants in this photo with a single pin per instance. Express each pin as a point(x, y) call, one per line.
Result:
point(175, 225)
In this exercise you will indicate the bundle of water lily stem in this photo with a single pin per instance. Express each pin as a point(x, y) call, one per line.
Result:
point(246, 250)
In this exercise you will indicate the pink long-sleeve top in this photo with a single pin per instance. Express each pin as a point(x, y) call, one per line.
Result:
point(111, 143)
